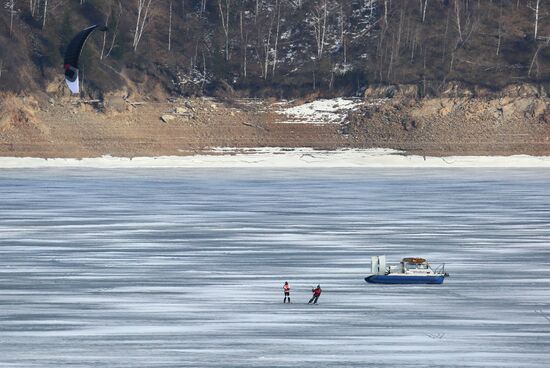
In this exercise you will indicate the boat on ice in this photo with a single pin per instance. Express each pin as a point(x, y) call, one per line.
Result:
point(409, 271)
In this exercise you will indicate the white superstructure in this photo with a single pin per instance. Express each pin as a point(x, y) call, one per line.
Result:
point(410, 266)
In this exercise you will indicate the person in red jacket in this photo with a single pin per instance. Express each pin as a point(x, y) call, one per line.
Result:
point(316, 294)
point(286, 289)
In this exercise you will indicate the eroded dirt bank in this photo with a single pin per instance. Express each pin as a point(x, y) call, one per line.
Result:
point(460, 122)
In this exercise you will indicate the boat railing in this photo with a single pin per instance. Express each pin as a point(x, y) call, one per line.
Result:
point(440, 269)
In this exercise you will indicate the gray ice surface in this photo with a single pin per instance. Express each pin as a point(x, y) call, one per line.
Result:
point(185, 268)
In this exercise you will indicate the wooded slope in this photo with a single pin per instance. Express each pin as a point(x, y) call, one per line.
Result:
point(277, 47)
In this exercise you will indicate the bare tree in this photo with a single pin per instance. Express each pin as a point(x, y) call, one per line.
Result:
point(385, 13)
point(141, 21)
point(399, 30)
point(244, 44)
point(267, 47)
point(275, 48)
point(44, 13)
point(444, 53)
point(47, 6)
point(170, 28)
point(342, 34)
point(536, 10)
point(10, 6)
point(225, 24)
point(424, 10)
point(114, 31)
point(535, 56)
point(33, 6)
point(320, 14)
point(499, 28)
point(458, 23)
point(104, 37)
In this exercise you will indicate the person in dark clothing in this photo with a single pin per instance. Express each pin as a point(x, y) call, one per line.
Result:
point(316, 294)
point(286, 289)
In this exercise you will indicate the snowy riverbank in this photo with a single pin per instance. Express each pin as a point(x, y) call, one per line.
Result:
point(283, 158)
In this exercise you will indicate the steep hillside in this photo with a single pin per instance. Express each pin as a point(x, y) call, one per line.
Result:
point(276, 47)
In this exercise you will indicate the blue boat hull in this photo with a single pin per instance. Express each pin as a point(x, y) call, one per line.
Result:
point(387, 279)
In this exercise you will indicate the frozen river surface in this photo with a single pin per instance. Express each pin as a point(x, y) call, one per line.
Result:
point(184, 268)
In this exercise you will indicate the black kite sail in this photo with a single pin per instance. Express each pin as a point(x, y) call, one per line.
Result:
point(72, 54)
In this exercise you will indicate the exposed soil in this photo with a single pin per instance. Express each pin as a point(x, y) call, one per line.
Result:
point(516, 121)
point(70, 129)
point(67, 127)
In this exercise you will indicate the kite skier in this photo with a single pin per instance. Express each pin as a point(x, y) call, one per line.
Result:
point(316, 294)
point(286, 289)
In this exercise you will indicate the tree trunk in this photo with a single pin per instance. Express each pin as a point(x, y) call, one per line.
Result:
point(537, 19)
point(243, 44)
point(45, 13)
point(104, 38)
point(33, 7)
point(278, 6)
point(11, 5)
point(170, 28)
point(457, 12)
point(385, 13)
point(536, 10)
point(320, 15)
point(143, 13)
point(115, 31)
point(267, 48)
point(499, 28)
point(534, 60)
point(225, 25)
point(424, 11)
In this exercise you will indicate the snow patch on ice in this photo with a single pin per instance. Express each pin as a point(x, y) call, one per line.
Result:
point(279, 157)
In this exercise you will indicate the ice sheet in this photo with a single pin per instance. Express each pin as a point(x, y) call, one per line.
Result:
point(185, 267)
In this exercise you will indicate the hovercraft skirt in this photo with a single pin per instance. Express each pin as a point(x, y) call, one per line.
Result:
point(389, 279)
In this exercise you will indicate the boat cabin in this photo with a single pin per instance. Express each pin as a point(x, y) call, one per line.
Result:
point(414, 266)
point(410, 270)
point(407, 266)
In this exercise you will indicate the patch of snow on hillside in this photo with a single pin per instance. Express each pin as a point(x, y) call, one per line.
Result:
point(325, 111)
